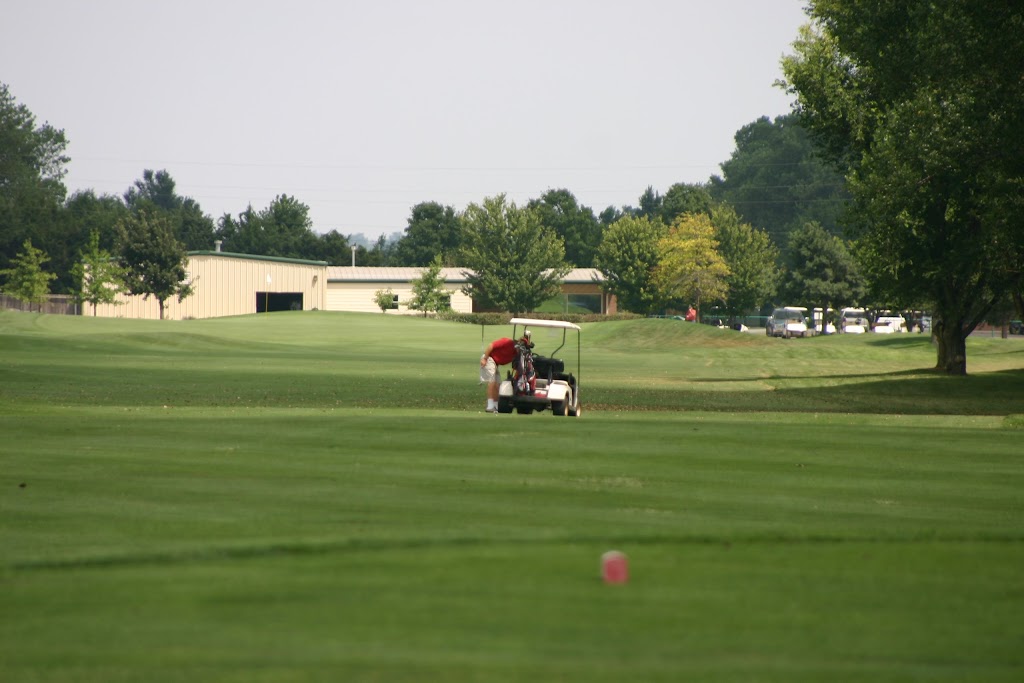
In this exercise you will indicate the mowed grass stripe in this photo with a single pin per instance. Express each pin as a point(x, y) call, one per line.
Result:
point(722, 613)
point(185, 481)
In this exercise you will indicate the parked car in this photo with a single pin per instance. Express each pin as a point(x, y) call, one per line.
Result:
point(854, 321)
point(786, 322)
point(887, 322)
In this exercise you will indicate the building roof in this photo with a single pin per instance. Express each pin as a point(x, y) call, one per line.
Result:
point(254, 257)
point(381, 274)
point(456, 275)
point(584, 275)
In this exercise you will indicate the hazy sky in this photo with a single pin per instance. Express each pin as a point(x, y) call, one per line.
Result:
point(361, 110)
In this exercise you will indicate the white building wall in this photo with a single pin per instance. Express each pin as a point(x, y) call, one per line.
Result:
point(361, 297)
point(354, 289)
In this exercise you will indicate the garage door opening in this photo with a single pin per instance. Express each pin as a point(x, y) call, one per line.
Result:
point(269, 302)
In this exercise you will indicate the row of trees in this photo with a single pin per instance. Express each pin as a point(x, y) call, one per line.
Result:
point(151, 262)
point(904, 138)
point(518, 254)
point(705, 257)
point(33, 206)
point(515, 260)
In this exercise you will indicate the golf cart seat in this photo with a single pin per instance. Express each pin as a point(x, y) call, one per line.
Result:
point(549, 368)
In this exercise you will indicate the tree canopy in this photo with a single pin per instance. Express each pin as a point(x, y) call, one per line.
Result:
point(690, 269)
point(516, 263)
point(26, 279)
point(821, 269)
point(922, 107)
point(433, 230)
point(575, 224)
point(776, 181)
point(155, 193)
point(683, 198)
point(32, 191)
point(153, 259)
point(99, 277)
point(282, 229)
point(751, 257)
point(428, 292)
point(627, 257)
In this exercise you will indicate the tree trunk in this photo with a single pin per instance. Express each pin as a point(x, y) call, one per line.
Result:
point(952, 350)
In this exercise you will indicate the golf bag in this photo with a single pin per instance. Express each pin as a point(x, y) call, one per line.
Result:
point(524, 377)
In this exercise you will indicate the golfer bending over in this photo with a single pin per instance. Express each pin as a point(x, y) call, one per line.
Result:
point(498, 352)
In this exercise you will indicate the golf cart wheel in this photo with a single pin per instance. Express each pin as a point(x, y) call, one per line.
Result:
point(560, 408)
point(504, 405)
point(576, 410)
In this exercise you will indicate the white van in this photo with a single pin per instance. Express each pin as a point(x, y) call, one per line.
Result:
point(786, 322)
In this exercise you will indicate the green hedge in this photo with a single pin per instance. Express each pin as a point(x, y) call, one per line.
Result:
point(504, 318)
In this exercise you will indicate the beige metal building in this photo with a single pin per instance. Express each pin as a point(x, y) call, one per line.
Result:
point(233, 284)
point(225, 283)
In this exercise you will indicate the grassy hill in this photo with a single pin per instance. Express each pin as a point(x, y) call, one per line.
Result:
point(320, 497)
point(367, 360)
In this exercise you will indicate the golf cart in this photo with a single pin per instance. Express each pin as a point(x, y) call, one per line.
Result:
point(538, 382)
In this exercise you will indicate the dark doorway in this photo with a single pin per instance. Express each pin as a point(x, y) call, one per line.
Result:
point(268, 302)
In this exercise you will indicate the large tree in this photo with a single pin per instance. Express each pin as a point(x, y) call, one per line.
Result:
point(282, 229)
point(32, 162)
point(575, 224)
point(752, 259)
point(334, 248)
point(154, 260)
point(626, 258)
point(921, 105)
point(821, 270)
point(684, 198)
point(433, 230)
point(777, 182)
point(515, 262)
point(690, 269)
point(156, 189)
point(155, 194)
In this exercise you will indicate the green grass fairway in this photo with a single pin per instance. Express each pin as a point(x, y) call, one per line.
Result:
point(320, 497)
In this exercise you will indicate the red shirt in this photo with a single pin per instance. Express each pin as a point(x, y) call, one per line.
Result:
point(503, 351)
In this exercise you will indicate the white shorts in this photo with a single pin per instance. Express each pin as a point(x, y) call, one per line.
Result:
point(489, 372)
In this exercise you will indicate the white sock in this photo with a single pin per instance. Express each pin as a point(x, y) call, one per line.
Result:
point(492, 404)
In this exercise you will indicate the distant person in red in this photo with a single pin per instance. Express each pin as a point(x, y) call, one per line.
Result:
point(498, 352)
point(691, 315)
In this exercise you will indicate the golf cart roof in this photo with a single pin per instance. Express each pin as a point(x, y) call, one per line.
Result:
point(559, 324)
